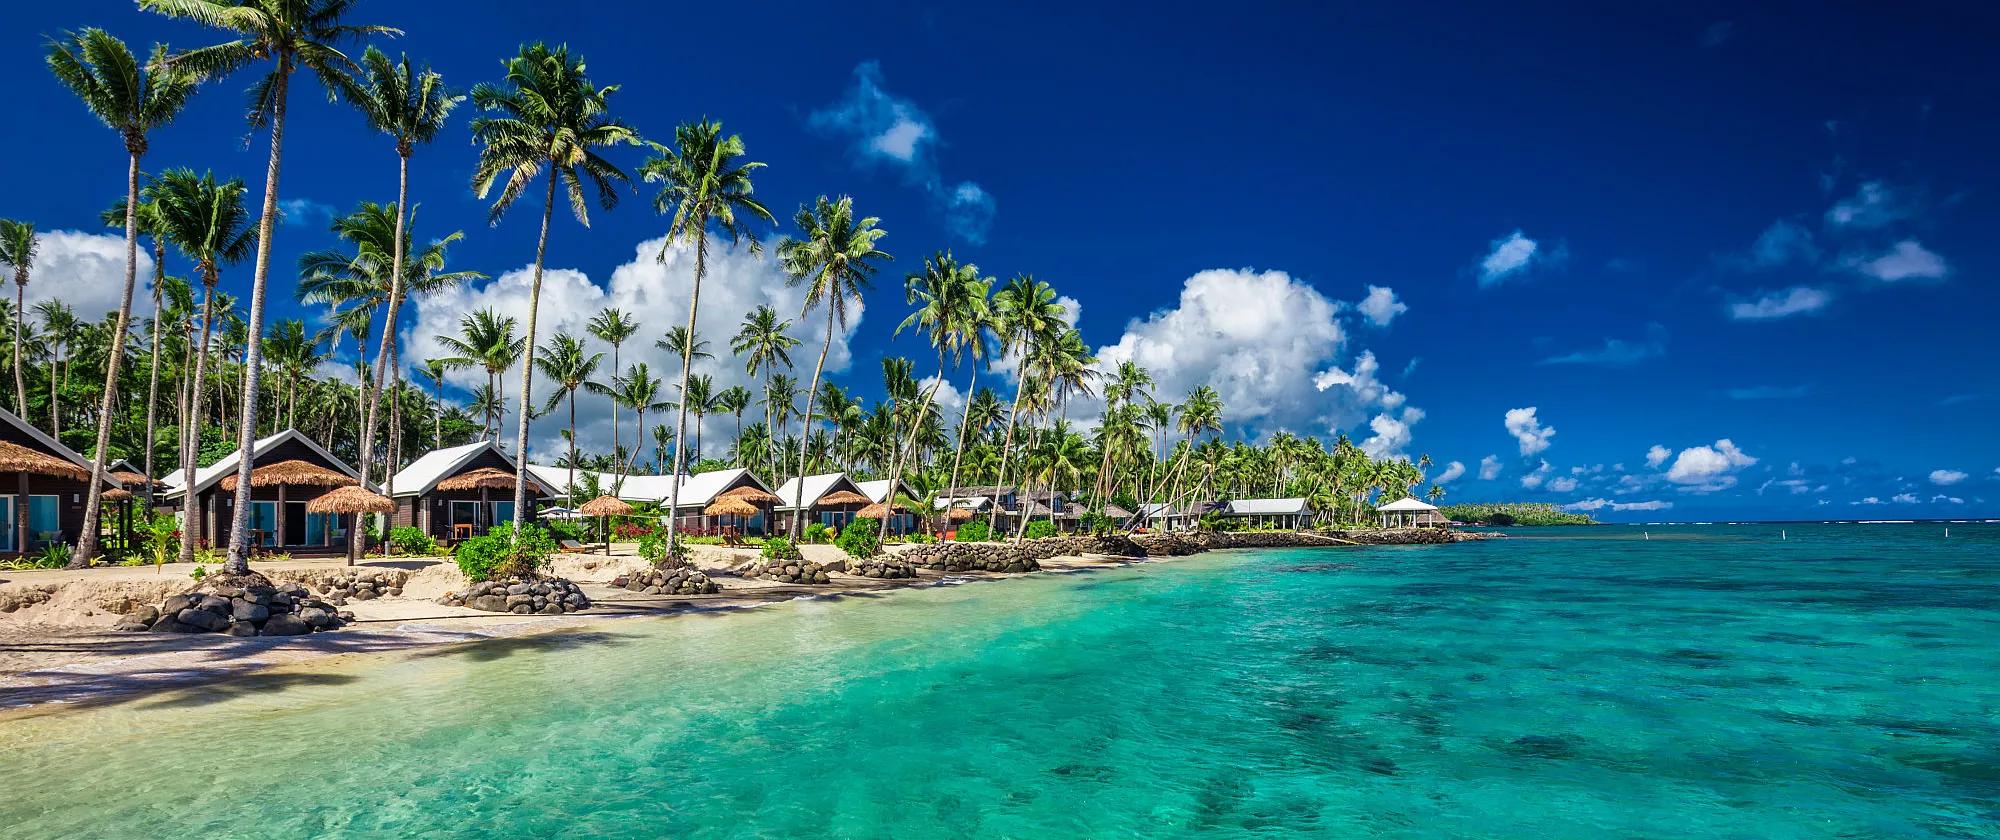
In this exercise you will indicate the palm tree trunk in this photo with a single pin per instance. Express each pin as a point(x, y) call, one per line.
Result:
point(819, 368)
point(191, 429)
point(238, 562)
point(153, 379)
point(905, 451)
point(86, 544)
point(958, 451)
point(572, 436)
point(372, 396)
point(1013, 416)
point(20, 314)
point(528, 366)
point(616, 371)
point(687, 364)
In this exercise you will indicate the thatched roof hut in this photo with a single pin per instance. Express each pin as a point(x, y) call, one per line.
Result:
point(879, 510)
point(491, 478)
point(349, 499)
point(293, 473)
point(605, 506)
point(17, 458)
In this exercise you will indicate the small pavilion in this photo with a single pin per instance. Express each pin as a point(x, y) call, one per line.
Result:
point(1410, 513)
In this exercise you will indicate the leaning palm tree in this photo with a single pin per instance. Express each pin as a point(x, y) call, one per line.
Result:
point(132, 101)
point(147, 215)
point(834, 257)
point(17, 250)
point(486, 340)
point(703, 181)
point(565, 362)
point(206, 221)
point(764, 343)
point(546, 119)
point(290, 34)
point(953, 312)
point(1025, 312)
point(410, 106)
point(612, 326)
point(638, 389)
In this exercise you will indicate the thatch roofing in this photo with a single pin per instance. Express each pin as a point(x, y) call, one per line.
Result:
point(349, 499)
point(958, 514)
point(730, 506)
point(843, 497)
point(17, 458)
point(878, 510)
point(491, 478)
point(605, 506)
point(753, 495)
point(117, 494)
point(292, 473)
point(130, 478)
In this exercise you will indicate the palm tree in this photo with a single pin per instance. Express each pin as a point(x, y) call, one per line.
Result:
point(735, 399)
point(565, 362)
point(17, 249)
point(147, 216)
point(703, 181)
point(663, 437)
point(1060, 366)
point(834, 258)
point(410, 106)
point(287, 348)
point(1025, 312)
point(486, 340)
point(132, 101)
point(1129, 382)
point(290, 34)
point(700, 399)
point(1200, 414)
point(685, 345)
point(764, 343)
point(639, 390)
point(612, 326)
point(435, 370)
point(953, 312)
point(546, 117)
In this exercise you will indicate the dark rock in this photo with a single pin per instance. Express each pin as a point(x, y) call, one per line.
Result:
point(489, 603)
point(202, 619)
point(246, 611)
point(285, 625)
point(131, 626)
point(176, 603)
point(143, 614)
point(242, 628)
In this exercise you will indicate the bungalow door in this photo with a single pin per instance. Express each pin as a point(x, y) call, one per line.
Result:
point(44, 520)
point(465, 513)
point(264, 521)
point(12, 527)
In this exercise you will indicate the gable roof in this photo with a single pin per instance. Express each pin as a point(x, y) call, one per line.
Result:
point(51, 444)
point(1406, 504)
point(702, 488)
point(423, 474)
point(206, 477)
point(877, 491)
point(815, 487)
point(1266, 507)
point(698, 489)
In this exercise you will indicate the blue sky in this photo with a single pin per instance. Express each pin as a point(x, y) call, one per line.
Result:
point(1656, 227)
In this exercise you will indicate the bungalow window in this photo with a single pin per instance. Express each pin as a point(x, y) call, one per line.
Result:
point(264, 522)
point(503, 512)
point(8, 533)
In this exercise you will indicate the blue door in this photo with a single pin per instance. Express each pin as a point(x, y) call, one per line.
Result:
point(264, 520)
point(44, 521)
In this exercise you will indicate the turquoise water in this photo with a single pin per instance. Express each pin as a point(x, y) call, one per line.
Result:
point(1708, 682)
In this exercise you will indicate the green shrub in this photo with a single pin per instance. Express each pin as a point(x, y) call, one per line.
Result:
point(1215, 521)
point(498, 554)
point(780, 550)
point(921, 538)
point(974, 530)
point(163, 537)
point(1527, 513)
point(53, 556)
point(412, 542)
point(816, 533)
point(568, 529)
point(1038, 529)
point(859, 538)
point(654, 548)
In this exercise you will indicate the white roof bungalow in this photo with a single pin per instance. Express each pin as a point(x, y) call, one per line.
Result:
point(1283, 513)
point(1409, 513)
point(698, 490)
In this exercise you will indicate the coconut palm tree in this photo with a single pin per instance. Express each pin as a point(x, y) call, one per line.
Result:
point(703, 181)
point(147, 217)
point(59, 326)
point(1129, 382)
point(834, 258)
point(18, 244)
point(1059, 367)
point(411, 106)
point(486, 340)
point(735, 399)
point(1200, 414)
point(290, 34)
point(612, 326)
point(700, 399)
point(287, 349)
point(546, 119)
point(685, 345)
point(764, 342)
point(638, 389)
point(952, 311)
point(1025, 312)
point(566, 363)
point(435, 369)
point(663, 438)
point(841, 412)
point(131, 100)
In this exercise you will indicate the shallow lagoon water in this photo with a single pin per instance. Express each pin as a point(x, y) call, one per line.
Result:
point(1585, 683)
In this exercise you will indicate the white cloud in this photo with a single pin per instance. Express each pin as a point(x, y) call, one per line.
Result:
point(1797, 300)
point(1253, 356)
point(1533, 480)
point(87, 272)
point(1391, 434)
point(657, 295)
point(1707, 468)
point(1908, 260)
point(1867, 500)
point(1381, 306)
point(890, 130)
point(1528, 430)
point(1512, 255)
point(1657, 455)
point(1944, 478)
point(1452, 472)
point(305, 212)
point(1489, 468)
point(1905, 498)
point(1944, 498)
point(1618, 352)
point(1600, 504)
point(1873, 205)
point(1563, 484)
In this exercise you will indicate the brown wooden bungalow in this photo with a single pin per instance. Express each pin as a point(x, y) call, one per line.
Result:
point(830, 499)
point(460, 492)
point(288, 470)
point(43, 487)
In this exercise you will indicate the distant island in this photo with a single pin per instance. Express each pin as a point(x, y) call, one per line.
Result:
point(1522, 513)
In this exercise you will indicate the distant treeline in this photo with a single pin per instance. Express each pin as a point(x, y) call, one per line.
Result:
point(1525, 513)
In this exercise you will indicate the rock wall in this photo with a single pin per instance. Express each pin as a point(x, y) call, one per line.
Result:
point(788, 571)
point(340, 585)
point(678, 580)
point(522, 596)
point(883, 568)
point(246, 605)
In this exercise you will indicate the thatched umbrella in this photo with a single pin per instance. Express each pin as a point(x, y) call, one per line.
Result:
point(605, 507)
point(350, 500)
point(130, 478)
point(753, 495)
point(17, 458)
point(490, 478)
point(958, 514)
point(730, 506)
point(879, 510)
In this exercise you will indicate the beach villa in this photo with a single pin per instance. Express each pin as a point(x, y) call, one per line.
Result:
point(43, 486)
point(830, 499)
point(881, 500)
point(1410, 513)
point(1268, 513)
point(289, 470)
point(708, 502)
point(459, 492)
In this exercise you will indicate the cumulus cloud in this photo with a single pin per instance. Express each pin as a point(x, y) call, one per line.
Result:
point(888, 130)
point(1528, 430)
point(1489, 468)
point(1905, 498)
point(1907, 260)
point(1618, 352)
point(1708, 468)
point(1381, 306)
point(1657, 455)
point(1601, 504)
point(86, 271)
point(1873, 205)
point(1390, 433)
point(1867, 500)
point(1533, 480)
point(1944, 478)
point(1784, 303)
point(1563, 484)
point(655, 292)
point(1514, 255)
point(1452, 472)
